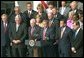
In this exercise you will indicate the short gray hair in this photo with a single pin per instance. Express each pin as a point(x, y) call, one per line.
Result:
point(18, 16)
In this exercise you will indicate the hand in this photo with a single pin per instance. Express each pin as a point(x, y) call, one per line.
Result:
point(14, 41)
point(18, 41)
point(73, 50)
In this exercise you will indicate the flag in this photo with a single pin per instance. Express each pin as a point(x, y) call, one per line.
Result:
point(44, 3)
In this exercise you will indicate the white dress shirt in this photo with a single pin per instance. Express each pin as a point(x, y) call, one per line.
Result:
point(30, 11)
point(62, 10)
point(77, 31)
point(17, 25)
point(5, 24)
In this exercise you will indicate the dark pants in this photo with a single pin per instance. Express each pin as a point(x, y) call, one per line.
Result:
point(18, 50)
point(30, 51)
point(5, 51)
point(55, 50)
point(47, 51)
point(64, 51)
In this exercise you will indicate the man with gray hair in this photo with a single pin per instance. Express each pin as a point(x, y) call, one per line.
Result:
point(18, 33)
point(34, 34)
point(74, 6)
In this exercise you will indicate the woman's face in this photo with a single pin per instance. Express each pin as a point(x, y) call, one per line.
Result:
point(37, 20)
point(39, 9)
point(71, 15)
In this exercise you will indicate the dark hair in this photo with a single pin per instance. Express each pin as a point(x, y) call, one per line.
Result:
point(63, 20)
point(28, 3)
point(55, 8)
point(76, 16)
point(77, 22)
point(63, 1)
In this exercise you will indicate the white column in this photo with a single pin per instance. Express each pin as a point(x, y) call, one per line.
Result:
point(35, 3)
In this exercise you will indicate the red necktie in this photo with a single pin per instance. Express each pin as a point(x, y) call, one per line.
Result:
point(44, 34)
point(32, 29)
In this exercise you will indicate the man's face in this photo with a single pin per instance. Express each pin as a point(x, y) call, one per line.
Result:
point(73, 5)
point(63, 3)
point(50, 16)
point(4, 18)
point(32, 24)
point(50, 6)
point(17, 20)
point(29, 6)
point(62, 24)
point(74, 26)
point(54, 11)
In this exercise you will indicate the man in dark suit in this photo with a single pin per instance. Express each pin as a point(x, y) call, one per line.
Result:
point(77, 41)
point(64, 10)
point(54, 24)
point(73, 6)
point(47, 38)
point(65, 35)
point(34, 34)
point(18, 33)
point(57, 15)
point(29, 13)
point(16, 12)
point(5, 42)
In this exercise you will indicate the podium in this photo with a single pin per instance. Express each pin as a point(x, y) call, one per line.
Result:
point(35, 45)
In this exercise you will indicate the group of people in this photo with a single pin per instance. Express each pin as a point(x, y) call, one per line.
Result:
point(59, 31)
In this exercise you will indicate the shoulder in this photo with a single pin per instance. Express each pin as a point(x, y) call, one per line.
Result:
point(68, 28)
point(34, 11)
point(25, 11)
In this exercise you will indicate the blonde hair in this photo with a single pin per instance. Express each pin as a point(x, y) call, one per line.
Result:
point(41, 6)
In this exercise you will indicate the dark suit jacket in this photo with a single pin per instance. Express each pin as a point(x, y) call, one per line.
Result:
point(21, 34)
point(4, 35)
point(59, 16)
point(77, 10)
point(66, 11)
point(64, 43)
point(44, 16)
point(33, 15)
point(78, 44)
point(36, 32)
point(50, 35)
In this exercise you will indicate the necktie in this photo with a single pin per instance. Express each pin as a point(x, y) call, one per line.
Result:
point(32, 29)
point(29, 14)
point(4, 27)
point(44, 34)
point(62, 32)
point(50, 23)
